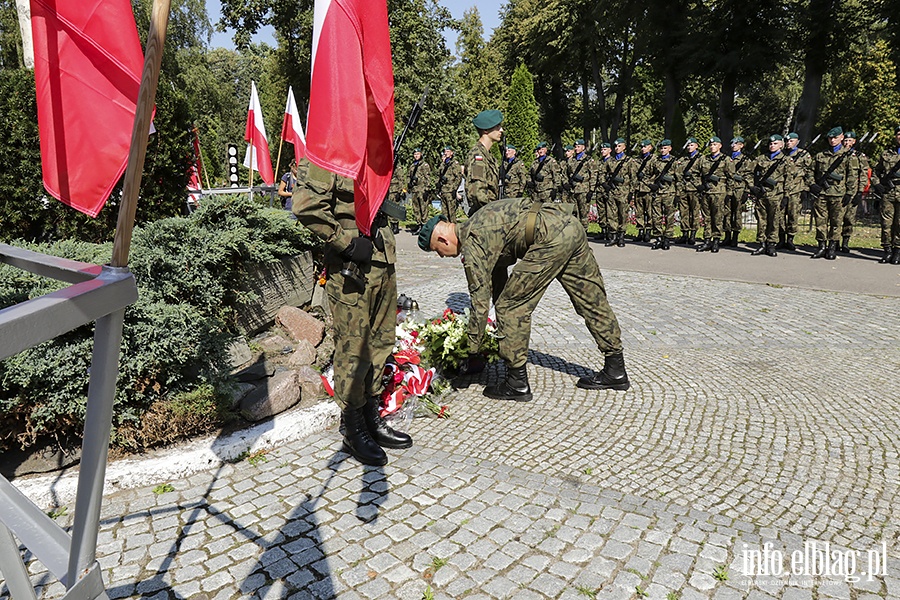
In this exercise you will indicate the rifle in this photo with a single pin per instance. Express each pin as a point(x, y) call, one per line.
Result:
point(822, 183)
point(501, 191)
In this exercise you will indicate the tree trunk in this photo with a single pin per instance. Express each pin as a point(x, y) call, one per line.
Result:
point(585, 106)
point(670, 101)
point(23, 8)
point(809, 99)
point(725, 126)
point(821, 19)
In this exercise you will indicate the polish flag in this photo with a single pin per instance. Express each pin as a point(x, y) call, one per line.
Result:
point(87, 70)
point(350, 124)
point(292, 129)
point(255, 134)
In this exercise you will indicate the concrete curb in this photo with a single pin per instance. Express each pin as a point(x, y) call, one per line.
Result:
point(161, 466)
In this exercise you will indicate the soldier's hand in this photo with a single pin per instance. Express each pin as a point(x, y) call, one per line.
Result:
point(567, 186)
point(654, 187)
point(856, 199)
point(845, 201)
point(815, 189)
point(472, 365)
point(359, 251)
point(757, 191)
point(879, 189)
point(590, 196)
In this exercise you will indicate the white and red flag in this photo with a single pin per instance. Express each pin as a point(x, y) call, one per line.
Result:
point(255, 136)
point(87, 70)
point(350, 124)
point(291, 128)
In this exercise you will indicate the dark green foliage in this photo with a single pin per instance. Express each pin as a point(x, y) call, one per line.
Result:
point(189, 273)
point(521, 119)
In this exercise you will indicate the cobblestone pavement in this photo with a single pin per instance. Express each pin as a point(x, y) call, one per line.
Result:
point(760, 419)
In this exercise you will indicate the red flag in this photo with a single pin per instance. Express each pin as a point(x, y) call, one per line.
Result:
point(291, 128)
point(255, 133)
point(87, 71)
point(195, 187)
point(350, 126)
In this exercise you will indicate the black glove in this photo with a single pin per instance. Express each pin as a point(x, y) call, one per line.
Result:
point(815, 189)
point(589, 196)
point(712, 178)
point(845, 201)
point(607, 186)
point(879, 189)
point(529, 185)
point(654, 187)
point(471, 365)
point(757, 191)
point(443, 180)
point(359, 250)
point(567, 186)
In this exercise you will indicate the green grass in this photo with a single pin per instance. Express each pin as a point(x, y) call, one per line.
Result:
point(61, 511)
point(721, 573)
point(163, 488)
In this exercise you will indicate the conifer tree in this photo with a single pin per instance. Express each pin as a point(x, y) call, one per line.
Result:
point(521, 119)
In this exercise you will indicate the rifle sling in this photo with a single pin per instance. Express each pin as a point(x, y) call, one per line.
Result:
point(689, 165)
point(665, 170)
point(443, 173)
point(840, 158)
point(770, 170)
point(715, 166)
point(538, 170)
point(577, 169)
point(412, 175)
point(618, 168)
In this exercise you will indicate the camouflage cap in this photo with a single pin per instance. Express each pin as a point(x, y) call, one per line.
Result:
point(850, 134)
point(487, 119)
point(834, 132)
point(692, 140)
point(646, 143)
point(793, 136)
point(619, 141)
point(579, 142)
point(608, 145)
point(427, 230)
point(715, 140)
point(665, 142)
point(776, 138)
point(737, 140)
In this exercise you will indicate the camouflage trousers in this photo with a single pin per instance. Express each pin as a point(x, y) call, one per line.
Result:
point(663, 209)
point(617, 212)
point(890, 219)
point(733, 213)
point(449, 205)
point(583, 206)
point(769, 211)
point(600, 203)
point(848, 219)
point(642, 211)
point(689, 210)
point(364, 331)
point(561, 254)
point(829, 212)
point(420, 205)
point(712, 208)
point(791, 220)
point(545, 195)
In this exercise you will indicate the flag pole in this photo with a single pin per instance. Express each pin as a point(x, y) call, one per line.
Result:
point(251, 169)
point(278, 160)
point(202, 162)
point(140, 132)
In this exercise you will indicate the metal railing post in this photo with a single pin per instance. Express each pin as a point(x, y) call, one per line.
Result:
point(12, 568)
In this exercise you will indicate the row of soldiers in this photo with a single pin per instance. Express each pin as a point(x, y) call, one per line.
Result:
point(705, 188)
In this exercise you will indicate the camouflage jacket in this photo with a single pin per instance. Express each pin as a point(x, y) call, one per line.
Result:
point(842, 180)
point(516, 176)
point(798, 168)
point(448, 176)
point(741, 175)
point(886, 164)
point(643, 173)
point(619, 174)
point(770, 174)
point(863, 176)
point(717, 172)
point(665, 174)
point(690, 173)
point(323, 203)
point(580, 178)
point(482, 177)
point(419, 177)
point(547, 178)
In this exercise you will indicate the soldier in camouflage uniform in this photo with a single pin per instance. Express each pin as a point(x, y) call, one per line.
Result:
point(516, 174)
point(742, 168)
point(449, 176)
point(689, 177)
point(545, 242)
point(643, 194)
point(544, 175)
point(834, 175)
point(364, 315)
point(663, 205)
point(853, 198)
point(717, 171)
point(482, 172)
point(795, 188)
point(601, 195)
point(579, 178)
point(770, 174)
point(396, 194)
point(886, 183)
point(419, 187)
point(618, 185)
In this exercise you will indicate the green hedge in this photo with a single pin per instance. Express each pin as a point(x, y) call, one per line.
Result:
point(189, 273)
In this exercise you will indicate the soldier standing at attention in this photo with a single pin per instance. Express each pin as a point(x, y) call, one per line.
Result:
point(832, 177)
point(449, 176)
point(799, 167)
point(861, 162)
point(482, 171)
point(663, 205)
point(396, 194)
point(717, 172)
point(618, 185)
point(604, 211)
point(545, 242)
point(689, 178)
point(564, 192)
point(742, 169)
point(580, 178)
point(886, 181)
point(516, 174)
point(544, 176)
point(643, 195)
point(418, 188)
point(770, 174)
point(363, 306)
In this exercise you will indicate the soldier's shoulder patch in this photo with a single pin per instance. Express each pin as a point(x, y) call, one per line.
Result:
point(478, 157)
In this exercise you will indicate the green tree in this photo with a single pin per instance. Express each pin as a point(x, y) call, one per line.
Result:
point(521, 118)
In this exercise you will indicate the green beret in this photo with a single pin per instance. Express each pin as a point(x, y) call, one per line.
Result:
point(448, 148)
point(541, 145)
point(834, 132)
point(776, 138)
point(665, 142)
point(897, 129)
point(715, 140)
point(793, 136)
point(607, 144)
point(569, 147)
point(620, 141)
point(692, 140)
point(579, 142)
point(487, 119)
point(427, 230)
point(851, 135)
point(737, 140)
point(510, 147)
point(646, 143)
point(419, 150)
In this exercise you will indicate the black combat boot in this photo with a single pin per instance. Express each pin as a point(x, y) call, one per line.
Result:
point(657, 244)
point(692, 237)
point(395, 228)
point(715, 245)
point(357, 440)
point(770, 250)
point(759, 251)
point(639, 236)
point(845, 245)
point(665, 243)
point(620, 239)
point(612, 377)
point(706, 245)
point(647, 235)
point(611, 239)
point(780, 239)
point(831, 252)
point(381, 432)
point(735, 235)
point(789, 243)
point(895, 256)
point(514, 387)
point(820, 253)
point(886, 258)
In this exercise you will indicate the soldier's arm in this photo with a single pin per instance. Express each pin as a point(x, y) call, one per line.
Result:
point(312, 205)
